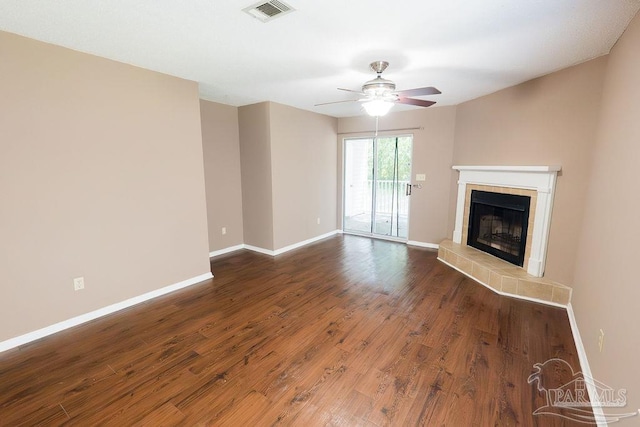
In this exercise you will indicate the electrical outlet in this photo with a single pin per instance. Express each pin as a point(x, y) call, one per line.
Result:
point(421, 177)
point(78, 283)
point(601, 340)
point(318, 220)
point(224, 230)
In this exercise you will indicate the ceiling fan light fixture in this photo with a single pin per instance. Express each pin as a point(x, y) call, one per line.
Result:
point(378, 87)
point(379, 95)
point(377, 107)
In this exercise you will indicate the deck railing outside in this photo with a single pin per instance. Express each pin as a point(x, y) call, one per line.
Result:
point(387, 201)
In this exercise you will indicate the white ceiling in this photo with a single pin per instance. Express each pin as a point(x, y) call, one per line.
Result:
point(465, 48)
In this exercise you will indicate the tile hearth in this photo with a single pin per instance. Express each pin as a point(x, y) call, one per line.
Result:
point(501, 276)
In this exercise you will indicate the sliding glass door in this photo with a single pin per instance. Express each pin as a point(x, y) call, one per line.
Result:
point(377, 174)
point(358, 191)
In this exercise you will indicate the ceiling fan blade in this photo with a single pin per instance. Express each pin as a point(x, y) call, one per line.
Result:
point(336, 102)
point(418, 102)
point(419, 91)
point(354, 91)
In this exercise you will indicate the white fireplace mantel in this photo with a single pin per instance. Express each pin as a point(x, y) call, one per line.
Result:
point(541, 179)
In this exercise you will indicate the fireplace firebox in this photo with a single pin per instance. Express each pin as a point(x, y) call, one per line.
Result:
point(498, 224)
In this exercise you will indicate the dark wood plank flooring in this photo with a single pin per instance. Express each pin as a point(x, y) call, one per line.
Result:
point(348, 331)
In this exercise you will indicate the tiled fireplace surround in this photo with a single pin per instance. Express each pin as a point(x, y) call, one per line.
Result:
point(537, 182)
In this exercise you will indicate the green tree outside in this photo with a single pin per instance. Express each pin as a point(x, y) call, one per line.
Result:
point(387, 156)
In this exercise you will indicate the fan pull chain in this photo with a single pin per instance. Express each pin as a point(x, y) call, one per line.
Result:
point(377, 126)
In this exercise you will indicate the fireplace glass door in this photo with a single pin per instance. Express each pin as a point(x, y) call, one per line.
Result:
point(498, 224)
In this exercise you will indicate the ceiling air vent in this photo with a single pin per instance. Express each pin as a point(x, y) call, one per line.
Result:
point(266, 11)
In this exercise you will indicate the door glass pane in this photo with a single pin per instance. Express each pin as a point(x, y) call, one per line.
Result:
point(358, 176)
point(405, 148)
point(392, 176)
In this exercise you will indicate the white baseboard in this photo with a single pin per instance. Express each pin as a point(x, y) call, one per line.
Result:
point(555, 304)
point(75, 321)
point(292, 247)
point(422, 244)
point(226, 250)
point(259, 250)
point(305, 242)
point(586, 369)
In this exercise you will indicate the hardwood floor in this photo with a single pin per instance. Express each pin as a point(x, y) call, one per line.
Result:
point(348, 331)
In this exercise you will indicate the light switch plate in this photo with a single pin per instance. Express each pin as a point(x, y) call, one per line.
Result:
point(421, 177)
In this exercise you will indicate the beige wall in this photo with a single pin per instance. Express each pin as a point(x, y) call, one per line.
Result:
point(304, 174)
point(255, 161)
point(288, 174)
point(101, 176)
point(432, 154)
point(221, 147)
point(606, 286)
point(547, 121)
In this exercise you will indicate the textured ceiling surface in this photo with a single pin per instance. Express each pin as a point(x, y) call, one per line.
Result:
point(464, 48)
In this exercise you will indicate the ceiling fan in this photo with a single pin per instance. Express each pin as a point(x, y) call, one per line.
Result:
point(380, 94)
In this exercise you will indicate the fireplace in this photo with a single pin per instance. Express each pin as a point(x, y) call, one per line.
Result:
point(537, 182)
point(517, 226)
point(498, 224)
